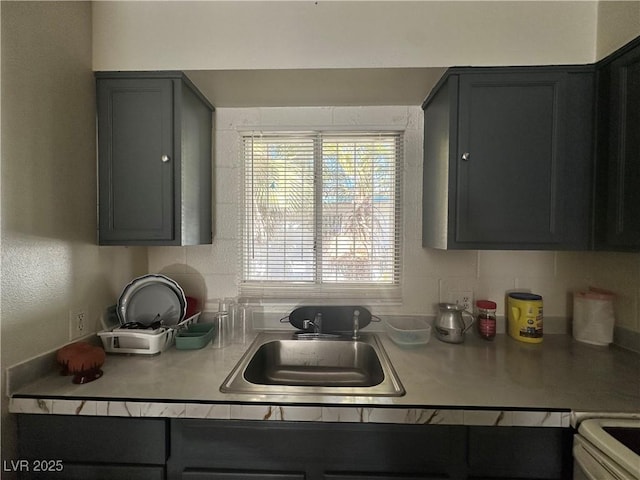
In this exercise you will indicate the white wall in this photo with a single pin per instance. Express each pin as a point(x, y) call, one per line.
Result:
point(618, 23)
point(334, 34)
point(50, 261)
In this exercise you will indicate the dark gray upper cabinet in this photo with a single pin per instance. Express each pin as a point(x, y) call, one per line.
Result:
point(154, 160)
point(617, 225)
point(508, 159)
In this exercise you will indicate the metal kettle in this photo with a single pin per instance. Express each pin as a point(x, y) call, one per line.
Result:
point(450, 325)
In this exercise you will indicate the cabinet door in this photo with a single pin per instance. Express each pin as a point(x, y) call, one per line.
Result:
point(91, 441)
point(314, 451)
point(520, 452)
point(136, 153)
point(623, 188)
point(509, 159)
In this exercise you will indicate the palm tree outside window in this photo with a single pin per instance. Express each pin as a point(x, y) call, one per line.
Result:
point(321, 210)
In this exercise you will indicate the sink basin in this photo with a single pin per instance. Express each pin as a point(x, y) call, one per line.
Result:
point(276, 363)
point(299, 362)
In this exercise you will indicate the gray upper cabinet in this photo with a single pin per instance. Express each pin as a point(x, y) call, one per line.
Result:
point(154, 160)
point(508, 159)
point(617, 208)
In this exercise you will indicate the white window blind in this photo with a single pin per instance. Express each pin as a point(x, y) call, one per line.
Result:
point(322, 213)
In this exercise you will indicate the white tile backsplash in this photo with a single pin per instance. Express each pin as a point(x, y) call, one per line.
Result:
point(227, 187)
point(418, 295)
point(413, 150)
point(227, 143)
point(517, 263)
point(439, 263)
point(192, 283)
point(226, 222)
point(167, 259)
point(415, 120)
point(219, 258)
point(220, 285)
point(199, 257)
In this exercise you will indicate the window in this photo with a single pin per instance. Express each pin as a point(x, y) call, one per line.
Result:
point(321, 212)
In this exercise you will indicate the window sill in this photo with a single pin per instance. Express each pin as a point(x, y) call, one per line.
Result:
point(325, 295)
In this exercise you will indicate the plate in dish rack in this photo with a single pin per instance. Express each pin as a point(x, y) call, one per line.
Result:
point(151, 298)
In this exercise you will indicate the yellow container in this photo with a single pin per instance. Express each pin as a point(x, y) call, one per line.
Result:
point(525, 317)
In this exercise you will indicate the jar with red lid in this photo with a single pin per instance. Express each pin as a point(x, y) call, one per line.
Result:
point(486, 320)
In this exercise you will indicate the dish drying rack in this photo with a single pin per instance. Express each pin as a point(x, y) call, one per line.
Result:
point(142, 341)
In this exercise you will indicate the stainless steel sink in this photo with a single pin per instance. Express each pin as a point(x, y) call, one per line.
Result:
point(278, 363)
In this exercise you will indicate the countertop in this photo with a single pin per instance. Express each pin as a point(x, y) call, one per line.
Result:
point(501, 382)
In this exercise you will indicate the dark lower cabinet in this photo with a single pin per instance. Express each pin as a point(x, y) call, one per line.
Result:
point(154, 449)
point(72, 447)
point(230, 450)
point(315, 450)
point(520, 452)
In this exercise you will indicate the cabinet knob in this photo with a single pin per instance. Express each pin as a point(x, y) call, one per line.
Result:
point(165, 159)
point(466, 156)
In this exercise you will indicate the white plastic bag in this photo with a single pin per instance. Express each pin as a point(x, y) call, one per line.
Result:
point(593, 316)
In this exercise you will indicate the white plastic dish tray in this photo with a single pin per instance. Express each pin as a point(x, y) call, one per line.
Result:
point(142, 342)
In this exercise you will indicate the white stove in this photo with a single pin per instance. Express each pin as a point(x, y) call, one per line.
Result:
point(607, 448)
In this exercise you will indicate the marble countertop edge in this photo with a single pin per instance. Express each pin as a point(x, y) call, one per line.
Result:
point(276, 412)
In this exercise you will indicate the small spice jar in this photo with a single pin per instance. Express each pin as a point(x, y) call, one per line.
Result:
point(486, 320)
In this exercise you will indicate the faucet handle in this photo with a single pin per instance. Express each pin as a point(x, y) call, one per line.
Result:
point(356, 324)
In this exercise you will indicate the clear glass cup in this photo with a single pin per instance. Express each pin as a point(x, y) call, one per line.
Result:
point(225, 303)
point(229, 305)
point(243, 326)
point(222, 337)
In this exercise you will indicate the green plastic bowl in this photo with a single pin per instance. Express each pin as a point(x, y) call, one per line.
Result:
point(195, 336)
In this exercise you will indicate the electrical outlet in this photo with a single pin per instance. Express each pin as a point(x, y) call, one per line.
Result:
point(464, 298)
point(77, 323)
